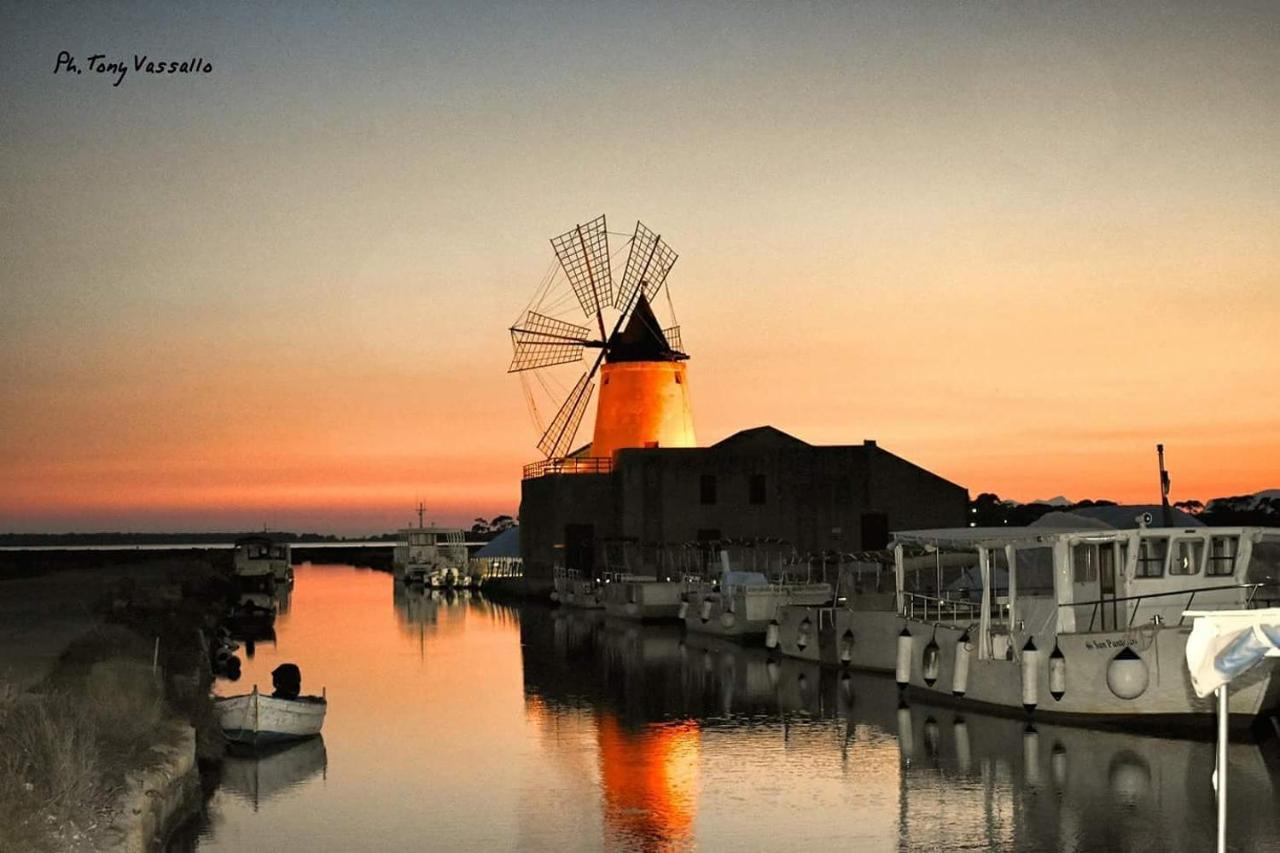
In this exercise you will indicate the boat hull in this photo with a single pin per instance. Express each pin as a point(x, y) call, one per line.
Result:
point(643, 600)
point(256, 719)
point(746, 612)
point(1149, 682)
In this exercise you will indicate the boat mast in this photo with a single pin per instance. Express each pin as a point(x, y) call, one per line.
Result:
point(1166, 513)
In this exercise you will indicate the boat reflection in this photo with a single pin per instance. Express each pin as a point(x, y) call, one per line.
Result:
point(264, 775)
point(674, 711)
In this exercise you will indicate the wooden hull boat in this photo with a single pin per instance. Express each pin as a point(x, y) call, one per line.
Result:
point(257, 719)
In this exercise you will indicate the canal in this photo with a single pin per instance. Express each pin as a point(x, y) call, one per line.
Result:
point(457, 723)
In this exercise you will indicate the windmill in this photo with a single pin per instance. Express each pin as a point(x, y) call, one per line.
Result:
point(643, 397)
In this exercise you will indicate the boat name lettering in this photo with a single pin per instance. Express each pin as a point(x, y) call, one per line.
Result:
point(1110, 643)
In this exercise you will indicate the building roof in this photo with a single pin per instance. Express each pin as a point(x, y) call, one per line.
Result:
point(758, 437)
point(505, 544)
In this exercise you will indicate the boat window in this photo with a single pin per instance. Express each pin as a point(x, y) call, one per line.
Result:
point(1264, 564)
point(1084, 563)
point(1187, 554)
point(1034, 567)
point(1222, 555)
point(1151, 554)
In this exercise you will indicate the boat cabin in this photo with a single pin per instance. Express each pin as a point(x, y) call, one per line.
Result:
point(1045, 580)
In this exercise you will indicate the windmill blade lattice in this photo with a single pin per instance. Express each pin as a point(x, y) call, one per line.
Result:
point(556, 441)
point(584, 255)
point(542, 341)
point(672, 335)
point(648, 264)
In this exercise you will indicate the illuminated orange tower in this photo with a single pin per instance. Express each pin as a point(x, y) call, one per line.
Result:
point(644, 387)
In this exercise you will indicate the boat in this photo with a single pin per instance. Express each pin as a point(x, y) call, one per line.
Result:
point(258, 719)
point(1075, 623)
point(259, 557)
point(572, 588)
point(742, 604)
point(643, 597)
point(432, 556)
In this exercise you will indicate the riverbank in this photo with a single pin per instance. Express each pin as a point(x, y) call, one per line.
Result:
point(105, 709)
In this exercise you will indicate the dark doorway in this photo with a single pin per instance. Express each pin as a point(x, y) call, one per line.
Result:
point(875, 531)
point(579, 548)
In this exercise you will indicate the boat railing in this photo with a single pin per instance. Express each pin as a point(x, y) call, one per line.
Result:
point(920, 607)
point(1251, 600)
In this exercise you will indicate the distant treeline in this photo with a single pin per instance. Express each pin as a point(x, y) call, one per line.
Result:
point(988, 510)
point(28, 540)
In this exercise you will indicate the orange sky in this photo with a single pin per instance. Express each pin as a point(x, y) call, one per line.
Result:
point(1016, 245)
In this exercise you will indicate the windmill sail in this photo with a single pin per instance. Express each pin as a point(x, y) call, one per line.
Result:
point(648, 263)
point(542, 341)
point(584, 255)
point(558, 438)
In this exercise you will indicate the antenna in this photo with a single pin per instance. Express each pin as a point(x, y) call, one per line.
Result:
point(422, 508)
point(540, 340)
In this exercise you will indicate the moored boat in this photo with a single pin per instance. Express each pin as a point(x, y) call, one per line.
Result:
point(261, 557)
point(259, 719)
point(1084, 623)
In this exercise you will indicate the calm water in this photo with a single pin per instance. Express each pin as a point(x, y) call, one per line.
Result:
point(467, 725)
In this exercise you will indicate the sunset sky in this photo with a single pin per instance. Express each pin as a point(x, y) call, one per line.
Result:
point(1017, 244)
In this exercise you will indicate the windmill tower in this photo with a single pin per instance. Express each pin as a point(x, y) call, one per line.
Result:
point(644, 389)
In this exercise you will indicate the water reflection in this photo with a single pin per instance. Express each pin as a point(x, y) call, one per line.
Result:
point(258, 777)
point(456, 723)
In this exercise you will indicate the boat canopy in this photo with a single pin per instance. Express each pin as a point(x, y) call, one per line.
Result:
point(974, 537)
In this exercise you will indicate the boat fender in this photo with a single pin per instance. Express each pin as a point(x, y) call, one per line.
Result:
point(802, 636)
point(555, 597)
point(684, 608)
point(773, 671)
point(1057, 674)
point(705, 612)
point(1030, 675)
point(727, 619)
point(960, 675)
point(1127, 674)
point(929, 662)
point(846, 647)
point(902, 673)
point(771, 635)
point(632, 608)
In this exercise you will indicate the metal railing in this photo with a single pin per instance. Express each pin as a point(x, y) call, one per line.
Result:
point(1251, 600)
point(918, 606)
point(568, 465)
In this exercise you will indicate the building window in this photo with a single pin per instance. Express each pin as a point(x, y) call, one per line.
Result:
point(1186, 557)
point(756, 489)
point(1222, 555)
point(1151, 557)
point(707, 488)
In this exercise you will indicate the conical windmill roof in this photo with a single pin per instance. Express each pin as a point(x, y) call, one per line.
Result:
point(642, 338)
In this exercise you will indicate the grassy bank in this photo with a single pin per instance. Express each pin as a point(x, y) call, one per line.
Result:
point(70, 740)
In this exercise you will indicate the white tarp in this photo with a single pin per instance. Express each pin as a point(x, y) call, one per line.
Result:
point(1227, 643)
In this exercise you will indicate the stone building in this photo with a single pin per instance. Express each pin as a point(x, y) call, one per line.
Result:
point(756, 484)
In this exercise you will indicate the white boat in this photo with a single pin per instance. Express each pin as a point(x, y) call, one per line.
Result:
point(571, 588)
point(643, 597)
point(1083, 623)
point(260, 556)
point(432, 556)
point(258, 719)
point(743, 604)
